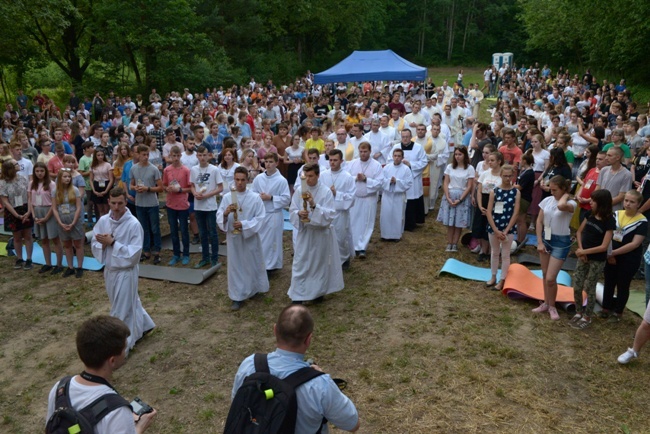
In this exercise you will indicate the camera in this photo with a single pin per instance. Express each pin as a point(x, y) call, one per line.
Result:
point(140, 407)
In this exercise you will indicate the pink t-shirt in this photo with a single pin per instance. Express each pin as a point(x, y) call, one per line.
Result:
point(41, 197)
point(177, 176)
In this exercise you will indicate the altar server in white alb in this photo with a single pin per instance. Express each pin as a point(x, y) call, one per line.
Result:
point(397, 180)
point(316, 267)
point(416, 159)
point(117, 243)
point(241, 215)
point(273, 189)
point(380, 143)
point(437, 155)
point(368, 176)
point(343, 187)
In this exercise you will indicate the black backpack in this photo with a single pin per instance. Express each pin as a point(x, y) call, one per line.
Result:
point(265, 404)
point(66, 419)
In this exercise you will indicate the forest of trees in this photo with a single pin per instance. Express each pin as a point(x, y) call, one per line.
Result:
point(138, 44)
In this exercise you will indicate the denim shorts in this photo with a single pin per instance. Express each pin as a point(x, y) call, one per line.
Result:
point(559, 246)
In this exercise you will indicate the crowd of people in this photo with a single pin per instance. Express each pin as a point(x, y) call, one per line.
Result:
point(561, 151)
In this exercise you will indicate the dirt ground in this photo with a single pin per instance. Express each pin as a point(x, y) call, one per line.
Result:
point(421, 353)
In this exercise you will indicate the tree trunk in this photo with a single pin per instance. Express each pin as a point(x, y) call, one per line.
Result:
point(452, 23)
point(467, 22)
point(134, 65)
point(2, 82)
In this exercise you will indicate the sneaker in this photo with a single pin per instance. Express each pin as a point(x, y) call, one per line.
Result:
point(156, 259)
point(552, 311)
point(362, 254)
point(476, 249)
point(614, 318)
point(581, 324)
point(57, 270)
point(541, 308)
point(186, 260)
point(236, 305)
point(627, 356)
point(454, 248)
point(202, 264)
point(79, 273)
point(214, 263)
point(577, 317)
point(448, 248)
point(45, 269)
point(28, 265)
point(19, 264)
point(195, 240)
point(68, 272)
point(175, 260)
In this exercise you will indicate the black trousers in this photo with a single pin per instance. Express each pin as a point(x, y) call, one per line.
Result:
point(414, 213)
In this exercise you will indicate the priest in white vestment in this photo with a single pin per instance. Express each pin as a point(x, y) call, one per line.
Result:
point(246, 266)
point(396, 182)
point(316, 269)
point(416, 159)
point(342, 186)
point(380, 143)
point(273, 189)
point(368, 177)
point(117, 243)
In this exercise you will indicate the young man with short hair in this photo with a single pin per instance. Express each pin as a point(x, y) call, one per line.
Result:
point(314, 273)
point(242, 219)
point(101, 346)
point(273, 189)
point(146, 181)
point(397, 181)
point(343, 188)
point(176, 181)
point(25, 166)
point(206, 185)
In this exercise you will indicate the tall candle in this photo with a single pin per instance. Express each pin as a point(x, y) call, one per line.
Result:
point(303, 183)
point(233, 196)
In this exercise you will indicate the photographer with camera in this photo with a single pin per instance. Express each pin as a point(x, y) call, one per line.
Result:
point(317, 396)
point(89, 400)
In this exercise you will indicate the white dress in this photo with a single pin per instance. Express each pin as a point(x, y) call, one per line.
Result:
point(246, 268)
point(121, 271)
point(364, 211)
point(343, 200)
point(316, 269)
point(393, 200)
point(272, 228)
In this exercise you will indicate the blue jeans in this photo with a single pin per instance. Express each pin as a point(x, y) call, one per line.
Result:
point(207, 222)
point(150, 221)
point(176, 218)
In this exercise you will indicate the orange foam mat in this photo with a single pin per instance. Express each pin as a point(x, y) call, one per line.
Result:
point(522, 283)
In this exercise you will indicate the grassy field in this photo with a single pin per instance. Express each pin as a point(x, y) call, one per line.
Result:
point(421, 353)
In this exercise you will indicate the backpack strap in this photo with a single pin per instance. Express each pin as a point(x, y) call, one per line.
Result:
point(302, 376)
point(103, 405)
point(62, 398)
point(261, 363)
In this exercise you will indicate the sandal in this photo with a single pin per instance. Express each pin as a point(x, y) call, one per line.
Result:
point(499, 287)
point(490, 283)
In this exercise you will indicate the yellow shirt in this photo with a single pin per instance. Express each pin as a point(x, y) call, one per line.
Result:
point(317, 144)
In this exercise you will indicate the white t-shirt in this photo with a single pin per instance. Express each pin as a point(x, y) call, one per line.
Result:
point(559, 221)
point(26, 168)
point(189, 161)
point(118, 421)
point(489, 181)
point(459, 177)
point(539, 163)
point(205, 179)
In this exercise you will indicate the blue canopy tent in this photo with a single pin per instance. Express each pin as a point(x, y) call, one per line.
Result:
point(371, 66)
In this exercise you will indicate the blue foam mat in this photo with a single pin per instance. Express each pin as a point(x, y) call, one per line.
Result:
point(531, 240)
point(287, 224)
point(38, 257)
point(471, 272)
